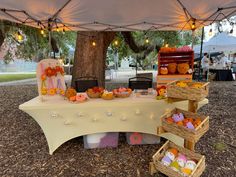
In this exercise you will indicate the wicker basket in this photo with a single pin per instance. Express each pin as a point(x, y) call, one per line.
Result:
point(107, 97)
point(94, 95)
point(188, 134)
point(168, 171)
point(122, 95)
point(189, 93)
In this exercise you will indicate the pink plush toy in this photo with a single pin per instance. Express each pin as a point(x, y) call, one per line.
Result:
point(190, 125)
point(178, 117)
point(181, 159)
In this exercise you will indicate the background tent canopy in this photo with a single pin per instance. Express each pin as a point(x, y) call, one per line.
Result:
point(117, 15)
point(220, 42)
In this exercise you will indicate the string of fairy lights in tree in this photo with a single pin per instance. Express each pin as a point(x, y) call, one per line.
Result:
point(55, 24)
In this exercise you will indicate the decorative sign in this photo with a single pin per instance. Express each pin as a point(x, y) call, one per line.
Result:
point(50, 77)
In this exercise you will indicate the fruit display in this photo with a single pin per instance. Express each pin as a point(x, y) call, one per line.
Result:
point(78, 98)
point(183, 68)
point(122, 92)
point(107, 95)
point(181, 120)
point(95, 92)
point(179, 162)
point(70, 92)
point(163, 70)
point(172, 68)
point(196, 85)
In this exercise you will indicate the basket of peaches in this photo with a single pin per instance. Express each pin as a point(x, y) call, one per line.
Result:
point(122, 92)
point(95, 92)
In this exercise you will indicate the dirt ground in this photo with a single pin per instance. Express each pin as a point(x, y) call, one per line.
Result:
point(24, 151)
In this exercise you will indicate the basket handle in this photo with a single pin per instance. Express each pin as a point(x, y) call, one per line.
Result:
point(202, 123)
point(206, 85)
point(171, 82)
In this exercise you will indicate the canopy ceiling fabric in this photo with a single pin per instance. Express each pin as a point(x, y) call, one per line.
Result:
point(220, 42)
point(117, 15)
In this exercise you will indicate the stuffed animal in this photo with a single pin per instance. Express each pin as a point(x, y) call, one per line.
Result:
point(183, 68)
point(178, 117)
point(189, 125)
point(189, 167)
point(171, 153)
point(181, 159)
point(172, 68)
point(175, 166)
point(166, 161)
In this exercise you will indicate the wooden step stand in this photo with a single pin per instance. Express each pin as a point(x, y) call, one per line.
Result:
point(192, 107)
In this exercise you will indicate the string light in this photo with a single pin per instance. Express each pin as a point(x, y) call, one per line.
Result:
point(116, 43)
point(146, 40)
point(210, 32)
point(57, 29)
point(42, 31)
point(166, 45)
point(94, 43)
point(193, 26)
point(19, 36)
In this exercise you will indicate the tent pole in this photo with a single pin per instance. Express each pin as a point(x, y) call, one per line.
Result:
point(199, 64)
point(193, 35)
point(49, 43)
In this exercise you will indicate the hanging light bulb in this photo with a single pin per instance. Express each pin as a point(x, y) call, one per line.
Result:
point(193, 26)
point(116, 42)
point(94, 43)
point(210, 32)
point(57, 29)
point(19, 36)
point(147, 40)
point(166, 45)
point(42, 31)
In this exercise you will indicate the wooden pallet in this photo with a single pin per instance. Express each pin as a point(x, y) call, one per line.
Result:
point(165, 79)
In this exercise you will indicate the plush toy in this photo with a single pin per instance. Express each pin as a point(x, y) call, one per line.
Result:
point(178, 117)
point(163, 70)
point(189, 167)
point(181, 159)
point(161, 92)
point(189, 125)
point(172, 68)
point(166, 161)
point(175, 166)
point(183, 68)
point(171, 153)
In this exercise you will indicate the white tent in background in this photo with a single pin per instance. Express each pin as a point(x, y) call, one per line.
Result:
point(117, 15)
point(222, 42)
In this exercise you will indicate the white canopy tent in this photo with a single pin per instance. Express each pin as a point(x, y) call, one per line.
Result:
point(117, 15)
point(222, 42)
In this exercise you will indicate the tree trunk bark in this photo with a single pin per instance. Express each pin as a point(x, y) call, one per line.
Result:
point(90, 60)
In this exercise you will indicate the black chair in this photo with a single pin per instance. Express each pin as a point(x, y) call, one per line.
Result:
point(140, 83)
point(84, 83)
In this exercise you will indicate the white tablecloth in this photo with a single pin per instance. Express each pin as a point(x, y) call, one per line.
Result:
point(61, 120)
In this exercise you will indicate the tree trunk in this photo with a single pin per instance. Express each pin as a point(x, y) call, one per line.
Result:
point(90, 60)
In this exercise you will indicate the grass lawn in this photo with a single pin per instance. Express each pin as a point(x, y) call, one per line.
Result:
point(13, 77)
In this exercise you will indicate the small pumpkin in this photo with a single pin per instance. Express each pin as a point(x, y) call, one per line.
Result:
point(70, 92)
point(172, 68)
point(183, 68)
point(163, 70)
point(44, 91)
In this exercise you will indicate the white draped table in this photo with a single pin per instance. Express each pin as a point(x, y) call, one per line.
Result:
point(61, 120)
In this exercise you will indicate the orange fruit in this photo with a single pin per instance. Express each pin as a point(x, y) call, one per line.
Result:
point(170, 120)
point(180, 123)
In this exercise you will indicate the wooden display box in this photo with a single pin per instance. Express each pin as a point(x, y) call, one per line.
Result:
point(187, 134)
point(168, 171)
point(165, 58)
point(188, 93)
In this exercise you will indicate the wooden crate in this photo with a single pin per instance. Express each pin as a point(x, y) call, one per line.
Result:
point(187, 134)
point(165, 58)
point(165, 79)
point(168, 171)
point(188, 93)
